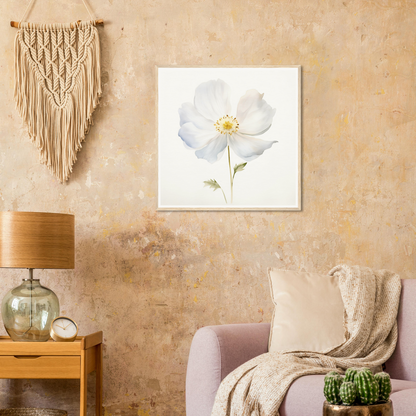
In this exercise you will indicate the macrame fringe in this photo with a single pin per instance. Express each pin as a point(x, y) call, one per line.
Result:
point(57, 130)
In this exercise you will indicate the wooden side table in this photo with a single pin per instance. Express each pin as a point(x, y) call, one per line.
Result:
point(57, 360)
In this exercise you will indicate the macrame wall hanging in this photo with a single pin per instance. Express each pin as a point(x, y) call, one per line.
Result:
point(57, 86)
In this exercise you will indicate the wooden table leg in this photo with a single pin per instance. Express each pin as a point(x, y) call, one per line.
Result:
point(99, 380)
point(83, 385)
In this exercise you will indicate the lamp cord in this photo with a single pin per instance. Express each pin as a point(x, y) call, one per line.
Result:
point(31, 290)
point(30, 311)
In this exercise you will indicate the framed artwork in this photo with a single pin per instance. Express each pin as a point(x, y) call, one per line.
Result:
point(229, 138)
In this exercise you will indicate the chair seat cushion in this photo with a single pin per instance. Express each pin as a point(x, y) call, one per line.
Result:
point(306, 397)
point(404, 402)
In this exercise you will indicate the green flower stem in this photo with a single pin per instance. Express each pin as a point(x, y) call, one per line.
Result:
point(224, 196)
point(231, 176)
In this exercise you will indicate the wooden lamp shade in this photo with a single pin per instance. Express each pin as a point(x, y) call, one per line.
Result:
point(37, 240)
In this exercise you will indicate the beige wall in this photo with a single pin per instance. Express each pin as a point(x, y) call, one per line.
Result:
point(149, 280)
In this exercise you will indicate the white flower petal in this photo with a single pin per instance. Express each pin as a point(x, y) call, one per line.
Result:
point(212, 99)
point(188, 113)
point(254, 114)
point(214, 150)
point(194, 137)
point(248, 148)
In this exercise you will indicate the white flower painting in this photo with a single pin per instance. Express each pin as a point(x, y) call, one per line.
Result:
point(250, 115)
point(207, 126)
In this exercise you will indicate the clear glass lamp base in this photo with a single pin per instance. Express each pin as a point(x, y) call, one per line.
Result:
point(28, 311)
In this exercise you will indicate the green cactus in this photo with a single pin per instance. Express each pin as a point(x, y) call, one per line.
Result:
point(348, 393)
point(384, 384)
point(331, 390)
point(350, 373)
point(367, 386)
point(331, 373)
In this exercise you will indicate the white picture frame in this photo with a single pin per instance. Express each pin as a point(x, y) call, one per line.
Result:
point(260, 167)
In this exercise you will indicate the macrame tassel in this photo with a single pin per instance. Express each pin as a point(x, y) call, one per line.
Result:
point(57, 88)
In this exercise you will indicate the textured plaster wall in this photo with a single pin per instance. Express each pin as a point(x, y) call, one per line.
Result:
point(149, 280)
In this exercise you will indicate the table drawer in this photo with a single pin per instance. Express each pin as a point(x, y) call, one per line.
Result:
point(56, 366)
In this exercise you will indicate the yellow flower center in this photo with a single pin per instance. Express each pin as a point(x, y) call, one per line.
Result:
point(227, 125)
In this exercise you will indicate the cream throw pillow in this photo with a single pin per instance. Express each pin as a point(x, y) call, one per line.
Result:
point(308, 313)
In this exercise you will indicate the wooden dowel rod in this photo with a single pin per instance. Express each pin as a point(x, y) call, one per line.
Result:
point(97, 22)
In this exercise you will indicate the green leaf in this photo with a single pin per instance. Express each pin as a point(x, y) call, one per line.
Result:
point(239, 168)
point(213, 184)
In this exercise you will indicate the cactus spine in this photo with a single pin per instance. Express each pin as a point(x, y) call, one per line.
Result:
point(332, 373)
point(348, 393)
point(367, 386)
point(350, 373)
point(331, 390)
point(384, 384)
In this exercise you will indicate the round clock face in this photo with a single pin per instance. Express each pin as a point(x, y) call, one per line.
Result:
point(63, 328)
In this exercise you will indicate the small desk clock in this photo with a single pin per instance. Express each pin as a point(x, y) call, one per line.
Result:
point(63, 329)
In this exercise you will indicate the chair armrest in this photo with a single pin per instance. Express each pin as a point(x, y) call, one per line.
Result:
point(215, 352)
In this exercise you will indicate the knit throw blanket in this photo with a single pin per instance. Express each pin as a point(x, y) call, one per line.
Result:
point(57, 88)
point(371, 301)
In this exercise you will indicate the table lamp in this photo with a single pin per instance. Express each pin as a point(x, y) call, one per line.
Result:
point(34, 240)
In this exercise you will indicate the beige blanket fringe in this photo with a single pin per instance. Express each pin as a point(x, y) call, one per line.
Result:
point(57, 88)
point(371, 300)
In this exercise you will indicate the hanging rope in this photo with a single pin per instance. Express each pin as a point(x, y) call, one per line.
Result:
point(31, 2)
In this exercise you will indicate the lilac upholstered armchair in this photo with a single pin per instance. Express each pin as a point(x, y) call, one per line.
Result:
point(218, 350)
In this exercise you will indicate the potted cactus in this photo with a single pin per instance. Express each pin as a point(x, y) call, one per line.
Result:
point(358, 393)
